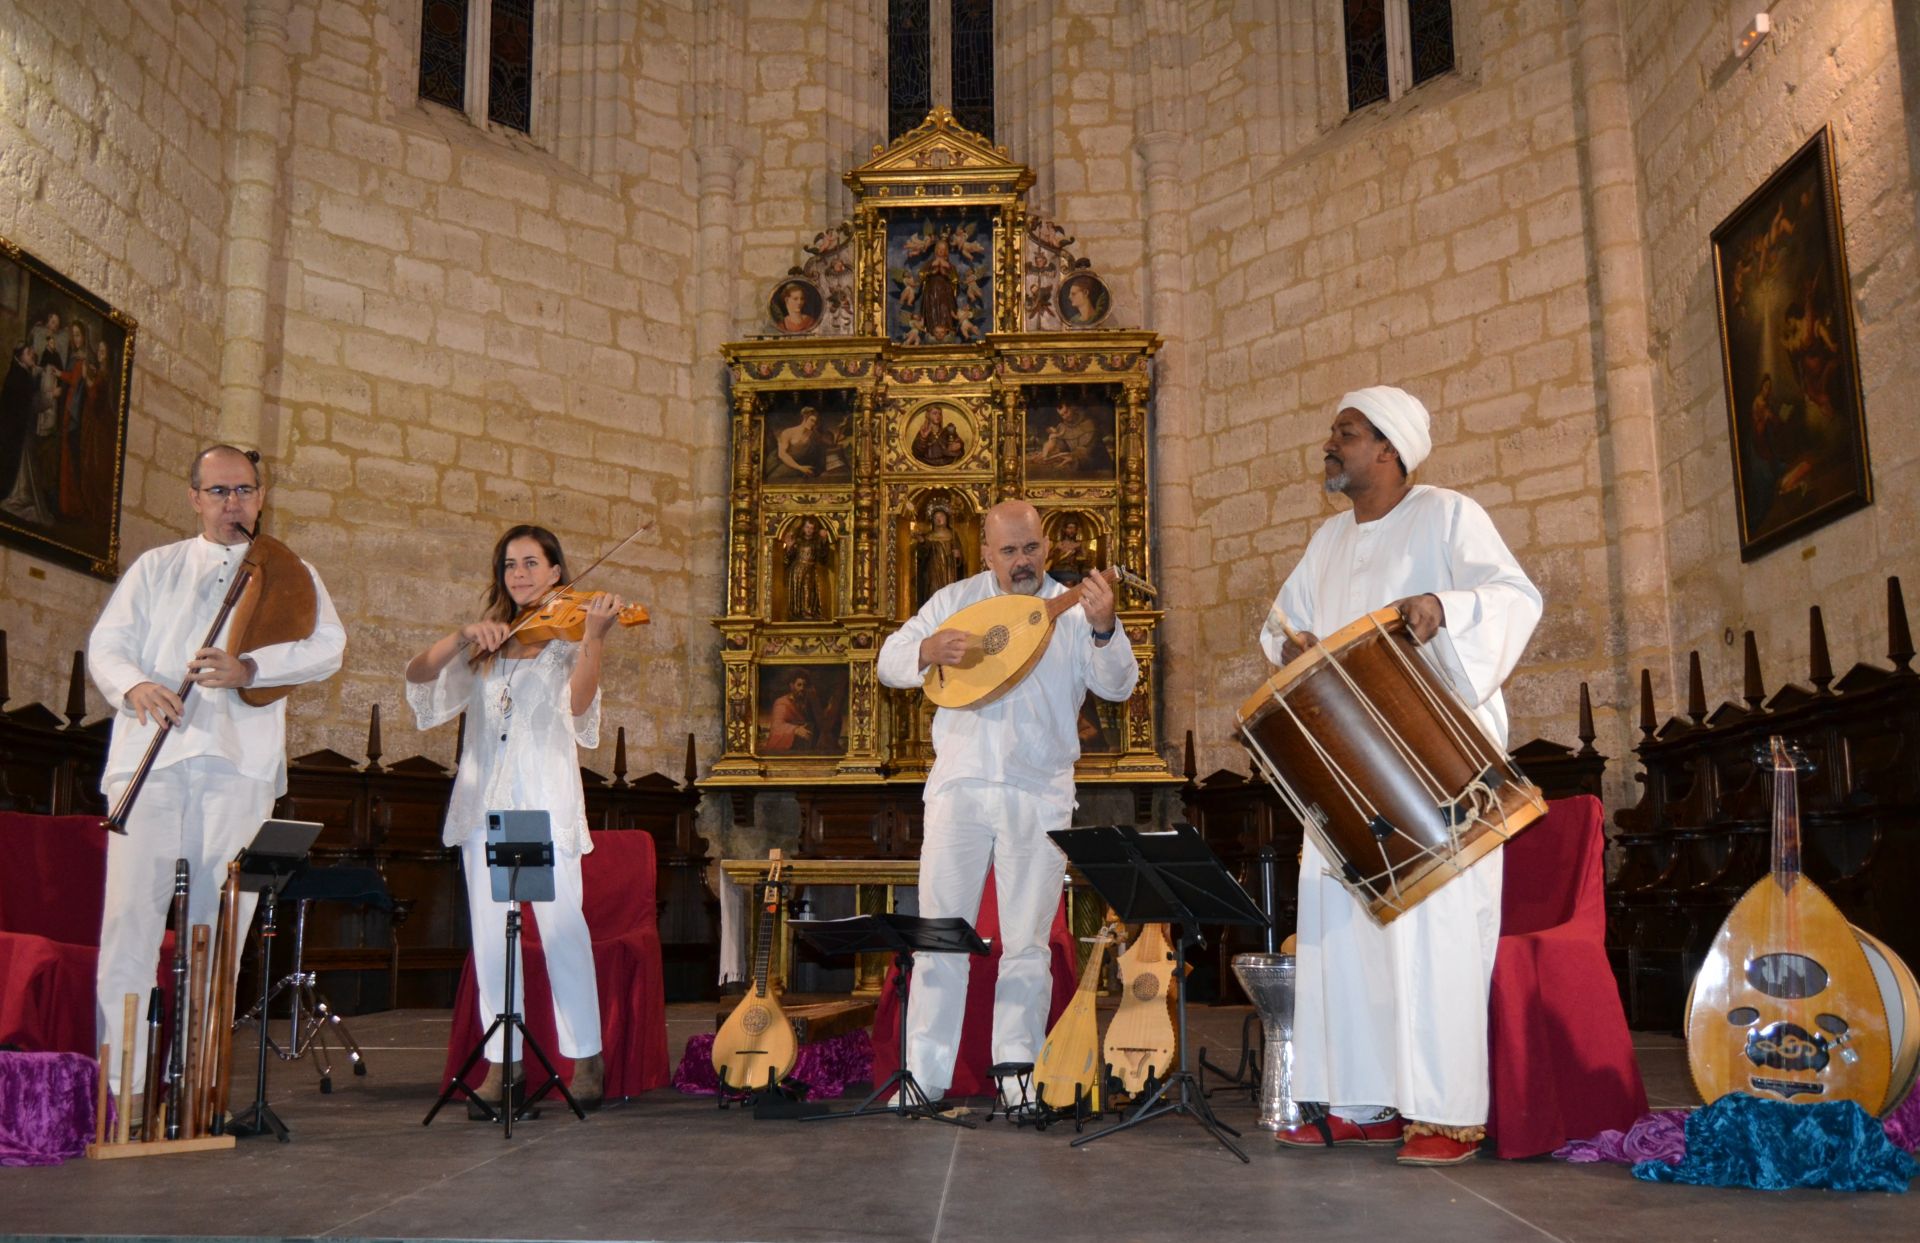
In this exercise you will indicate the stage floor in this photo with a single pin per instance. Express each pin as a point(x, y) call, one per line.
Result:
point(670, 1167)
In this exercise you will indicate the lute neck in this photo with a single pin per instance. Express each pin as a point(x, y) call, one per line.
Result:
point(1786, 817)
point(1071, 596)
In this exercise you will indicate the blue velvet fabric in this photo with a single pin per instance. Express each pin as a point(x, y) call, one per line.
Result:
point(1744, 1141)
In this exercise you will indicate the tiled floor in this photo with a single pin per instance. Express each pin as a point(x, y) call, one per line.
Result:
point(675, 1168)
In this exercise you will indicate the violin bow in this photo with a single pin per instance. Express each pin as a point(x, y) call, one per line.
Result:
point(533, 612)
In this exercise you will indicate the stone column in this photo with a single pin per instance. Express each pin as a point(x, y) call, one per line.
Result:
point(254, 232)
point(1628, 431)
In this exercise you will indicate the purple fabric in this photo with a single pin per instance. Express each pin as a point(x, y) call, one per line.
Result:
point(825, 1066)
point(1662, 1136)
point(46, 1107)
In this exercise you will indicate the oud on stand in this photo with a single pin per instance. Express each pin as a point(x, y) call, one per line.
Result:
point(1069, 1079)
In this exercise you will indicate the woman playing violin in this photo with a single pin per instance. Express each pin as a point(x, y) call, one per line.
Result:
point(529, 705)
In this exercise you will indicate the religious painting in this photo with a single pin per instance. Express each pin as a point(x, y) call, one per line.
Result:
point(803, 709)
point(807, 437)
point(1070, 434)
point(939, 276)
point(796, 306)
point(1074, 546)
point(63, 416)
point(1102, 726)
point(938, 434)
point(1085, 301)
point(1796, 422)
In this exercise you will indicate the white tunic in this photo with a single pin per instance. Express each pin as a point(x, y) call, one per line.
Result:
point(521, 742)
point(1397, 1016)
point(1029, 737)
point(156, 620)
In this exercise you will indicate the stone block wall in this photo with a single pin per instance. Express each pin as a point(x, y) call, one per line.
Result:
point(1707, 132)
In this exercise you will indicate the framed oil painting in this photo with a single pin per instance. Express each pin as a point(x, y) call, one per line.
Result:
point(939, 276)
point(63, 416)
point(803, 709)
point(807, 437)
point(1070, 434)
point(1795, 418)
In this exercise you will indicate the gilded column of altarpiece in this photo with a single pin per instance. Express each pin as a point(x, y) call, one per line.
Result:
point(939, 351)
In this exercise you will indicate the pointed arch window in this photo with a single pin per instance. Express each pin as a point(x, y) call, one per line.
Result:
point(477, 57)
point(940, 52)
point(1393, 46)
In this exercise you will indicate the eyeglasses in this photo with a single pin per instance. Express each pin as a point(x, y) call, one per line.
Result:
point(220, 491)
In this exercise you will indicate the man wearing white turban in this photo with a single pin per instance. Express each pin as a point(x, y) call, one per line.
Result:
point(1390, 1024)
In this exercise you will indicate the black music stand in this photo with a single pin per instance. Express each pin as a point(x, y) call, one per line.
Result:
point(277, 853)
point(899, 935)
point(1247, 1073)
point(1172, 878)
point(525, 845)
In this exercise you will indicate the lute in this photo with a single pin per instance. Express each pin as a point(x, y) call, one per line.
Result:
point(1007, 636)
point(1067, 1074)
point(1788, 1004)
point(756, 1047)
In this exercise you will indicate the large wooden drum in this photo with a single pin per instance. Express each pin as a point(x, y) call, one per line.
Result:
point(1393, 778)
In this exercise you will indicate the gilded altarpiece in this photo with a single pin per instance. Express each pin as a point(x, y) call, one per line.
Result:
point(920, 364)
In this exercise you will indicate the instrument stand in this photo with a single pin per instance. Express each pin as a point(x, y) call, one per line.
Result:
point(902, 935)
point(510, 857)
point(1245, 1074)
point(1169, 877)
point(313, 1027)
point(276, 854)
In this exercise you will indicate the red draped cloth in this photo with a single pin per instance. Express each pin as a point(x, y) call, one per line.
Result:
point(1562, 1065)
point(53, 879)
point(970, 1077)
point(617, 879)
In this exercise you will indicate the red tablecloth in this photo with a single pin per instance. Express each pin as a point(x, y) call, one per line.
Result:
point(617, 877)
point(53, 876)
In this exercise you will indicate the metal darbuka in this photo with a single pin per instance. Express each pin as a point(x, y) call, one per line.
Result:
point(1269, 980)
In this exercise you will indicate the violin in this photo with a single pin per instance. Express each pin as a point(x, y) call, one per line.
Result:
point(563, 615)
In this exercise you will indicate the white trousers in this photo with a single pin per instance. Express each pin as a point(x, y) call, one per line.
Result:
point(563, 937)
point(201, 810)
point(1396, 1017)
point(969, 826)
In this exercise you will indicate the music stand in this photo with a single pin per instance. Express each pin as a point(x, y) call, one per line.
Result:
point(899, 935)
point(1172, 878)
point(278, 851)
point(520, 860)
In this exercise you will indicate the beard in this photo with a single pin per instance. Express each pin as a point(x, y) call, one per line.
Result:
point(1026, 582)
point(1339, 483)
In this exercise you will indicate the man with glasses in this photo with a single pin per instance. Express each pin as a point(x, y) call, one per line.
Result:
point(217, 776)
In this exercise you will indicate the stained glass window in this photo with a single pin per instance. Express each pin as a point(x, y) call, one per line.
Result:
point(443, 52)
point(909, 64)
point(510, 65)
point(1430, 30)
point(973, 65)
point(1366, 52)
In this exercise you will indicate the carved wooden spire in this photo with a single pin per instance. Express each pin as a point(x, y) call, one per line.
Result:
point(1587, 733)
point(1819, 664)
point(1899, 638)
point(373, 739)
point(4, 693)
point(1648, 722)
point(77, 692)
point(1187, 765)
point(1756, 690)
point(1696, 690)
point(620, 757)
point(692, 771)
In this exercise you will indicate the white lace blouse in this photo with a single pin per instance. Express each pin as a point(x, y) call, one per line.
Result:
point(521, 742)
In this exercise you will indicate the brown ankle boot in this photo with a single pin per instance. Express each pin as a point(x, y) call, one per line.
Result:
point(589, 1081)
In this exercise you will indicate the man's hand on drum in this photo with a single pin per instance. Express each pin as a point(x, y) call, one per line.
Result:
point(944, 647)
point(1296, 647)
point(1424, 615)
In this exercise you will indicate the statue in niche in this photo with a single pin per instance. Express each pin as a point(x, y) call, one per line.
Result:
point(937, 556)
point(807, 552)
point(1069, 559)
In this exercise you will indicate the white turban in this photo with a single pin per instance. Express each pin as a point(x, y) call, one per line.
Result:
point(1398, 415)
